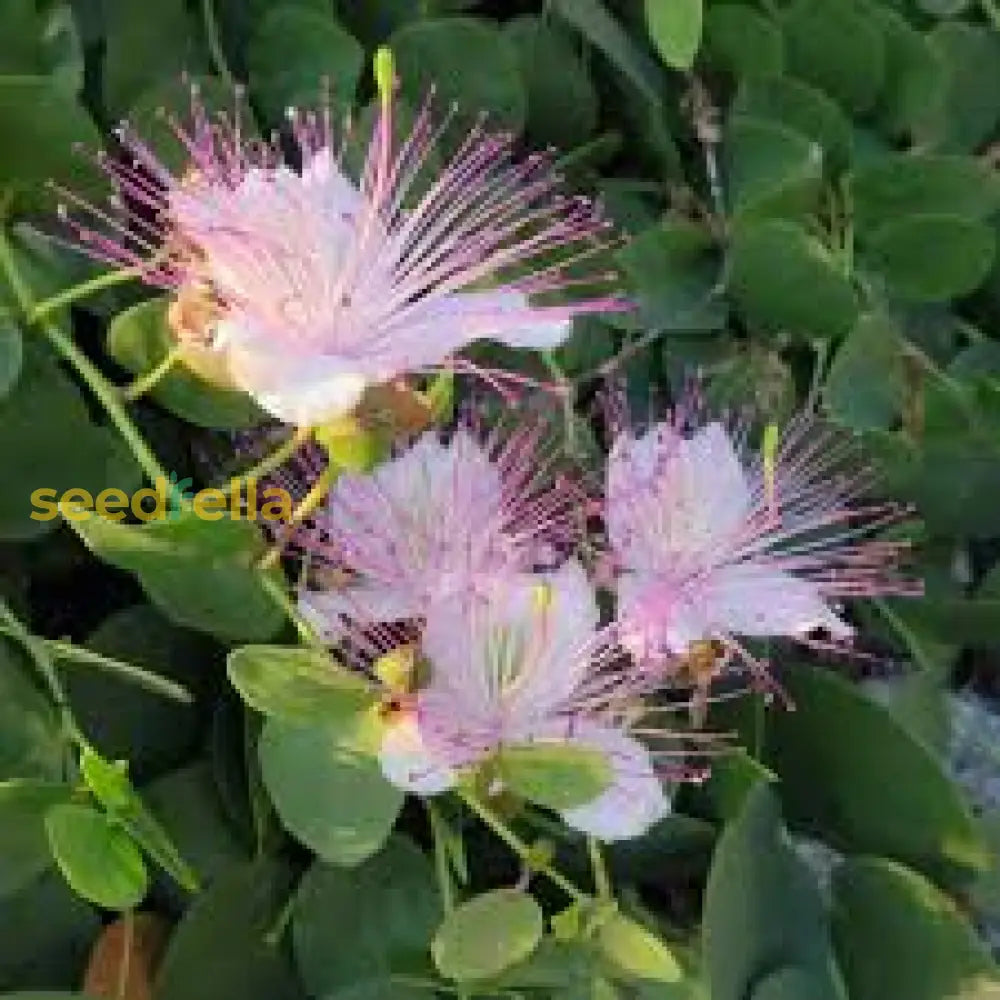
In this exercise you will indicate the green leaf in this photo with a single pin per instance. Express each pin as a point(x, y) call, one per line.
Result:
point(783, 278)
point(11, 352)
point(145, 47)
point(878, 792)
point(562, 102)
point(925, 949)
point(221, 951)
point(723, 796)
point(297, 684)
point(557, 775)
point(762, 908)
point(31, 741)
point(865, 384)
point(902, 184)
point(291, 53)
point(674, 270)
point(139, 339)
point(487, 934)
point(24, 848)
point(743, 42)
point(96, 856)
point(914, 73)
point(835, 47)
point(199, 573)
point(933, 258)
point(48, 932)
point(968, 109)
point(801, 108)
point(39, 126)
point(636, 951)
point(792, 983)
point(592, 19)
point(467, 60)
point(770, 169)
point(388, 908)
point(943, 8)
point(34, 417)
point(675, 28)
point(328, 788)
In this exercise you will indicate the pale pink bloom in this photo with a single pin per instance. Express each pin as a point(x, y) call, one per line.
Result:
point(441, 521)
point(319, 284)
point(710, 544)
point(530, 666)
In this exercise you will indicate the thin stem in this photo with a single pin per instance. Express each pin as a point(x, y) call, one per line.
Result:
point(306, 506)
point(602, 881)
point(269, 463)
point(215, 44)
point(143, 383)
point(520, 848)
point(109, 397)
point(439, 832)
point(86, 288)
point(36, 649)
point(280, 597)
point(567, 395)
point(129, 672)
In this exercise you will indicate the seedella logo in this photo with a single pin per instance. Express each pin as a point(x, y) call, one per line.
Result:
point(167, 499)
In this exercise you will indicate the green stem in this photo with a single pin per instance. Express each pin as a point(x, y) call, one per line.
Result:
point(520, 848)
point(143, 383)
point(36, 649)
point(86, 288)
point(269, 463)
point(108, 395)
point(441, 864)
point(280, 596)
point(602, 881)
point(129, 672)
point(215, 44)
point(992, 12)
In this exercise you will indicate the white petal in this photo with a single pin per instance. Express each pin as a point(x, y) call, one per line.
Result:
point(717, 479)
point(504, 316)
point(407, 763)
point(304, 391)
point(634, 800)
point(754, 600)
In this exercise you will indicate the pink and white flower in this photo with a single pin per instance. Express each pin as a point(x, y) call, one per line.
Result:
point(313, 285)
point(441, 522)
point(712, 544)
point(529, 666)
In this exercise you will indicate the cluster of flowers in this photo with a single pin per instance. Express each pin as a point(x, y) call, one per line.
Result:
point(305, 287)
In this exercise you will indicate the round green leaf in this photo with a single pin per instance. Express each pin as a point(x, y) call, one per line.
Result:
point(635, 951)
point(297, 684)
point(388, 908)
point(838, 48)
point(139, 339)
point(561, 99)
point(468, 61)
point(770, 169)
point(799, 107)
point(865, 384)
point(221, 950)
point(743, 42)
point(293, 51)
point(898, 936)
point(97, 857)
point(879, 792)
point(762, 908)
point(39, 127)
point(675, 28)
point(24, 849)
point(11, 352)
point(199, 573)
point(557, 775)
point(487, 934)
point(783, 278)
point(898, 184)
point(931, 258)
point(328, 788)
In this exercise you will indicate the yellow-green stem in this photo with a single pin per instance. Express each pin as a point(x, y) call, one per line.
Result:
point(143, 383)
point(85, 289)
